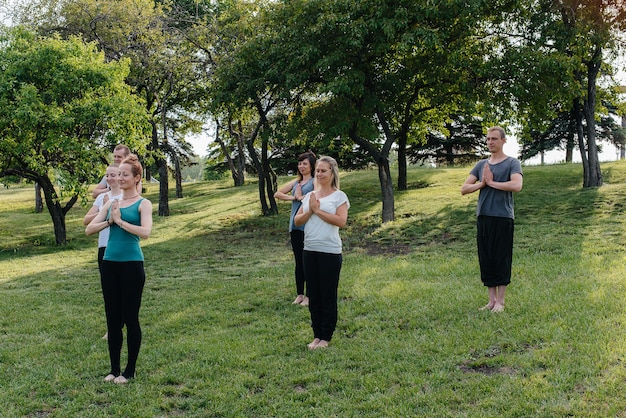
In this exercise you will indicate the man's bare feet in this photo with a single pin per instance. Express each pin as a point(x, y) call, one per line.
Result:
point(109, 377)
point(305, 301)
point(313, 343)
point(298, 300)
point(105, 336)
point(487, 307)
point(321, 344)
point(498, 308)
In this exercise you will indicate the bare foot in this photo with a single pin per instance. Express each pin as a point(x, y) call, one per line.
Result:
point(305, 301)
point(313, 343)
point(120, 380)
point(109, 377)
point(105, 336)
point(487, 307)
point(498, 308)
point(321, 344)
point(298, 300)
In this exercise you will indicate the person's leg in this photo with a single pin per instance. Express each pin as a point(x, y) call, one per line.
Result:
point(100, 258)
point(134, 280)
point(111, 292)
point(330, 268)
point(297, 245)
point(493, 294)
point(499, 303)
point(503, 237)
point(311, 271)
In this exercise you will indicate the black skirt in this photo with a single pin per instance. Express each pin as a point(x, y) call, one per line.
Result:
point(495, 249)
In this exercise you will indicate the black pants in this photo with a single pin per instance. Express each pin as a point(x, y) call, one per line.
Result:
point(297, 245)
point(322, 277)
point(122, 287)
point(495, 249)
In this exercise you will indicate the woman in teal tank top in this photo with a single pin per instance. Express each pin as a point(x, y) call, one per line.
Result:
point(123, 275)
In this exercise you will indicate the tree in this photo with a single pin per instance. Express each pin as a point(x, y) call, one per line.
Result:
point(562, 47)
point(64, 108)
point(462, 142)
point(165, 69)
point(376, 74)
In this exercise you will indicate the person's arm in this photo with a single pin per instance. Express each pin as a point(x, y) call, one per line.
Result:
point(471, 185)
point(145, 212)
point(513, 185)
point(99, 222)
point(90, 215)
point(301, 216)
point(284, 193)
point(339, 218)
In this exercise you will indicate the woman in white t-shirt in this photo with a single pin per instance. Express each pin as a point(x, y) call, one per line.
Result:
point(323, 212)
point(114, 193)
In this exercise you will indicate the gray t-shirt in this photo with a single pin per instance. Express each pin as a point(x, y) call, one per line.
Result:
point(493, 202)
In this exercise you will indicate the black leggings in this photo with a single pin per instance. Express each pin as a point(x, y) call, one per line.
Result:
point(322, 277)
point(297, 244)
point(122, 287)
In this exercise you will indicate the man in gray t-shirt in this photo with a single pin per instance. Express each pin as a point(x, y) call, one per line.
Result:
point(497, 178)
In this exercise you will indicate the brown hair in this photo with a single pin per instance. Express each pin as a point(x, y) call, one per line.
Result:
point(307, 156)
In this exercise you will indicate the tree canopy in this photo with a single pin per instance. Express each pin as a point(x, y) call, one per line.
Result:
point(64, 109)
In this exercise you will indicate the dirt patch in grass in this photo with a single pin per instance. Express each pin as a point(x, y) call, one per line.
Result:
point(487, 370)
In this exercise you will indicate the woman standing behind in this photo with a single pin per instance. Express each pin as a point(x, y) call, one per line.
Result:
point(298, 188)
point(114, 193)
point(123, 275)
point(323, 212)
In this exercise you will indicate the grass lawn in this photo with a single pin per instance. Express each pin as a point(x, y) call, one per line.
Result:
point(221, 338)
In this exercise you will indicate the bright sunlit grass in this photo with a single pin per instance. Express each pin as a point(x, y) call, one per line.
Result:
point(221, 337)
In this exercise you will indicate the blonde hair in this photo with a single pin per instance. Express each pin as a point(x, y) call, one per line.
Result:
point(123, 148)
point(334, 168)
point(499, 130)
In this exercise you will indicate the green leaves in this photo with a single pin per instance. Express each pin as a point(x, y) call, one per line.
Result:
point(66, 107)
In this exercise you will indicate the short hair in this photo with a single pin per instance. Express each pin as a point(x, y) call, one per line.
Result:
point(309, 155)
point(334, 167)
point(500, 131)
point(122, 147)
point(133, 161)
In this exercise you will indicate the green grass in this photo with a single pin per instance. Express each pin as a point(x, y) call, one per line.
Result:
point(222, 339)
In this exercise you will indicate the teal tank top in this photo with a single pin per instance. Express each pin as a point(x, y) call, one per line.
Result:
point(122, 245)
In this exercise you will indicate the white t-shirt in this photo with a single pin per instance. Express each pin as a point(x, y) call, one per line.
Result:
point(103, 235)
point(321, 236)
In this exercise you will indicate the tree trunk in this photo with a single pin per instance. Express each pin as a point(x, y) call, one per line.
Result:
point(622, 148)
point(178, 176)
point(594, 174)
point(261, 174)
point(164, 207)
point(384, 172)
point(580, 133)
point(38, 200)
point(402, 165)
point(56, 211)
point(386, 186)
point(161, 164)
point(270, 177)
